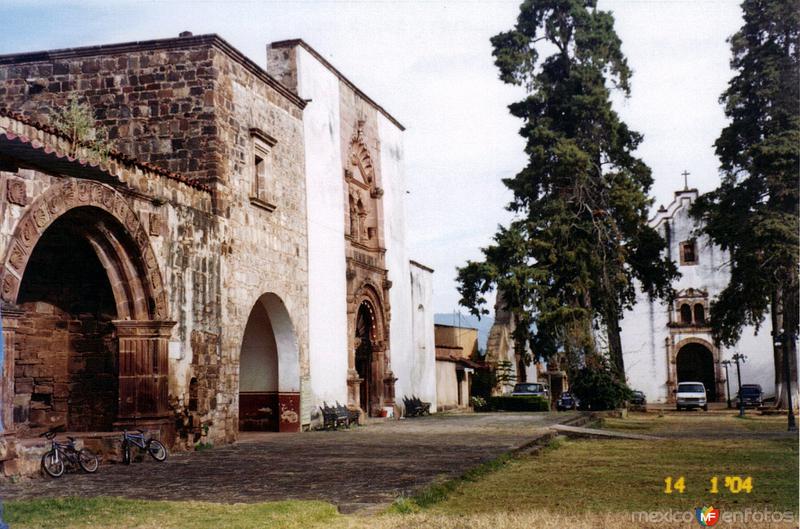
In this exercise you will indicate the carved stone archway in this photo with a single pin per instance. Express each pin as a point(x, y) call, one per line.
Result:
point(380, 382)
point(122, 247)
point(367, 278)
point(674, 349)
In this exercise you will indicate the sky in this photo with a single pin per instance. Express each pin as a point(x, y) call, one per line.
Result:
point(429, 64)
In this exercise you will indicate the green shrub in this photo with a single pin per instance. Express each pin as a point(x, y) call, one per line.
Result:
point(520, 403)
point(598, 388)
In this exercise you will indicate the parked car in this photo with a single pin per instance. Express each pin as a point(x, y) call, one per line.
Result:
point(691, 395)
point(750, 395)
point(566, 402)
point(638, 400)
point(531, 389)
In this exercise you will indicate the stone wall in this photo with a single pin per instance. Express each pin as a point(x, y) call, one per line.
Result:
point(190, 106)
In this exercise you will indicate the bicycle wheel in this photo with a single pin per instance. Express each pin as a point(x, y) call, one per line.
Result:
point(157, 450)
point(52, 464)
point(88, 461)
point(126, 453)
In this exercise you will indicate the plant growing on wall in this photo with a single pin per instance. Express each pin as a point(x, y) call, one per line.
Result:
point(76, 121)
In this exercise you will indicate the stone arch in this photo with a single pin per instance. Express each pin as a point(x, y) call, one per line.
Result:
point(686, 314)
point(362, 160)
point(717, 384)
point(699, 314)
point(370, 293)
point(371, 384)
point(123, 247)
point(269, 363)
point(100, 219)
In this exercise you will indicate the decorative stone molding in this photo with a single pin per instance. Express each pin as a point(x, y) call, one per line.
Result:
point(16, 192)
point(61, 198)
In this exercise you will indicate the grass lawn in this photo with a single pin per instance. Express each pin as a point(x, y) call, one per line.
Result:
point(702, 423)
point(572, 484)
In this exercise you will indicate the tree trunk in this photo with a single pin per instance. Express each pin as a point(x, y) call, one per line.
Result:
point(615, 343)
point(785, 316)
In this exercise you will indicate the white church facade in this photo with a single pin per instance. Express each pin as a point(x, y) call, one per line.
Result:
point(667, 343)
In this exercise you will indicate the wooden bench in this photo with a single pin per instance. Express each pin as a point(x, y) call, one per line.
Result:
point(351, 414)
point(335, 417)
point(415, 407)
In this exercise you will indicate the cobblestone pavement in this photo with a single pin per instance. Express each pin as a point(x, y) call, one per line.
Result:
point(352, 469)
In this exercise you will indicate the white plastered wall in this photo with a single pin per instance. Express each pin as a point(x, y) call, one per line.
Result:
point(421, 373)
point(644, 328)
point(327, 289)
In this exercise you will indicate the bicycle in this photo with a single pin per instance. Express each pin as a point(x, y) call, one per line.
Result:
point(55, 461)
point(152, 446)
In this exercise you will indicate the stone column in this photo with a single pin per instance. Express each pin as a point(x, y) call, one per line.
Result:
point(10, 315)
point(143, 372)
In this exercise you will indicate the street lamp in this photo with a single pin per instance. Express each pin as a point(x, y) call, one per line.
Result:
point(738, 357)
point(782, 340)
point(726, 364)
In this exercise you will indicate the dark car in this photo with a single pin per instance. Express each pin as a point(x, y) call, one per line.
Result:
point(566, 402)
point(751, 396)
point(638, 400)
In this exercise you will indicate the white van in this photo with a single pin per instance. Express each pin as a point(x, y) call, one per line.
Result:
point(691, 395)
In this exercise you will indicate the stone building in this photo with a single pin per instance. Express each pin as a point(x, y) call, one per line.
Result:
point(668, 343)
point(230, 266)
point(359, 270)
point(456, 351)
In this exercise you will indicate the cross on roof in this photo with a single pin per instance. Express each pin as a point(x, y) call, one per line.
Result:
point(685, 174)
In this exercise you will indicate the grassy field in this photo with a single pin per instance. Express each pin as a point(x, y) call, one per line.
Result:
point(723, 424)
point(571, 484)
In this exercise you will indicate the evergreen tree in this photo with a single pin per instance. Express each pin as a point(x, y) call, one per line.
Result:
point(753, 214)
point(580, 238)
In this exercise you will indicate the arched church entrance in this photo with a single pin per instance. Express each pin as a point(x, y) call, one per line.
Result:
point(84, 312)
point(695, 363)
point(269, 370)
point(365, 343)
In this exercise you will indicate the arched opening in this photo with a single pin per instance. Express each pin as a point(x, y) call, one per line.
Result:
point(87, 301)
point(67, 366)
point(695, 363)
point(89, 356)
point(686, 314)
point(365, 337)
point(269, 370)
point(699, 314)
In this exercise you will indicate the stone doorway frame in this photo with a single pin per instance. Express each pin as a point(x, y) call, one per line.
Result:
point(672, 365)
point(142, 328)
point(383, 379)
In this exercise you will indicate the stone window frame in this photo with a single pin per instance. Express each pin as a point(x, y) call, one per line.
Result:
point(684, 245)
point(691, 304)
point(261, 169)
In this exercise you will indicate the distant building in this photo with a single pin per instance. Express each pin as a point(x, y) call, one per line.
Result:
point(667, 343)
point(456, 348)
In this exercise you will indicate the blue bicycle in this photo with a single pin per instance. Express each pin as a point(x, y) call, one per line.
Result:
point(62, 455)
point(152, 446)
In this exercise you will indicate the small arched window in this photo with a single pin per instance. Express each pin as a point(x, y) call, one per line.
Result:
point(699, 313)
point(686, 314)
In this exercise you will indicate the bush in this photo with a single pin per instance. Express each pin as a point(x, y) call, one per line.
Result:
point(598, 388)
point(521, 403)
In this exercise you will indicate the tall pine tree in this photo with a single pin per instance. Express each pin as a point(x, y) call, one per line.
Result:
point(581, 236)
point(753, 214)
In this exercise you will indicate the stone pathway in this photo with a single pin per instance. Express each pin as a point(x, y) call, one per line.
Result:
point(353, 469)
point(594, 433)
